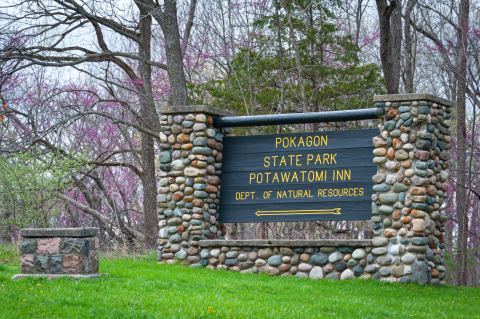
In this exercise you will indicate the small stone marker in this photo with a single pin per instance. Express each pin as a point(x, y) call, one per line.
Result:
point(58, 252)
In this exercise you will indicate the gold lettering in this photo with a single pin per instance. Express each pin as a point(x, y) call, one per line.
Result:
point(309, 158)
point(294, 193)
point(266, 161)
point(311, 176)
point(298, 160)
point(274, 157)
point(342, 175)
point(267, 175)
point(294, 177)
point(298, 176)
point(303, 175)
point(309, 140)
point(340, 192)
point(244, 195)
point(291, 141)
point(320, 176)
point(278, 141)
point(259, 178)
point(275, 178)
point(300, 142)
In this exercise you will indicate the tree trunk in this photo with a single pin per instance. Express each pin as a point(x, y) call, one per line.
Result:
point(358, 23)
point(409, 55)
point(150, 120)
point(173, 50)
point(167, 19)
point(390, 23)
point(149, 192)
point(462, 212)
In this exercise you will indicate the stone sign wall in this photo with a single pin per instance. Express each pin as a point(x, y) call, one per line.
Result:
point(407, 219)
point(316, 259)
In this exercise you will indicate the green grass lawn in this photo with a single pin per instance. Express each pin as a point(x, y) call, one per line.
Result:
point(141, 288)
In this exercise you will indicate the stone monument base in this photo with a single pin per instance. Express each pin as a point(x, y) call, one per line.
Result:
point(315, 259)
point(50, 252)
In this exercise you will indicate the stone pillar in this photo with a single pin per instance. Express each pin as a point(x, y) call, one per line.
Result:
point(189, 169)
point(410, 188)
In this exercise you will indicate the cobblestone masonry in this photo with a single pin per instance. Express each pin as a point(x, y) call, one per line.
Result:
point(411, 152)
point(189, 166)
point(59, 251)
point(316, 259)
point(408, 221)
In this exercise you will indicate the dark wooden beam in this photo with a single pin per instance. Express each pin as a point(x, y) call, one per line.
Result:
point(297, 118)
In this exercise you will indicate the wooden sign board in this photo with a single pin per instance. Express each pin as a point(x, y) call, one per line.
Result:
point(298, 177)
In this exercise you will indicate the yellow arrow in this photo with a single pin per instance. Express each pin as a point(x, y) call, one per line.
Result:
point(328, 211)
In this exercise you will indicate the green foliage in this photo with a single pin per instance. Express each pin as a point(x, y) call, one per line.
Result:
point(136, 288)
point(28, 185)
point(8, 256)
point(264, 77)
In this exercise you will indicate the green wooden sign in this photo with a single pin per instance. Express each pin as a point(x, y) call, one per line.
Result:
point(298, 177)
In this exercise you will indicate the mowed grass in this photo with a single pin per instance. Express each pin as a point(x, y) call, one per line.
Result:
point(141, 288)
